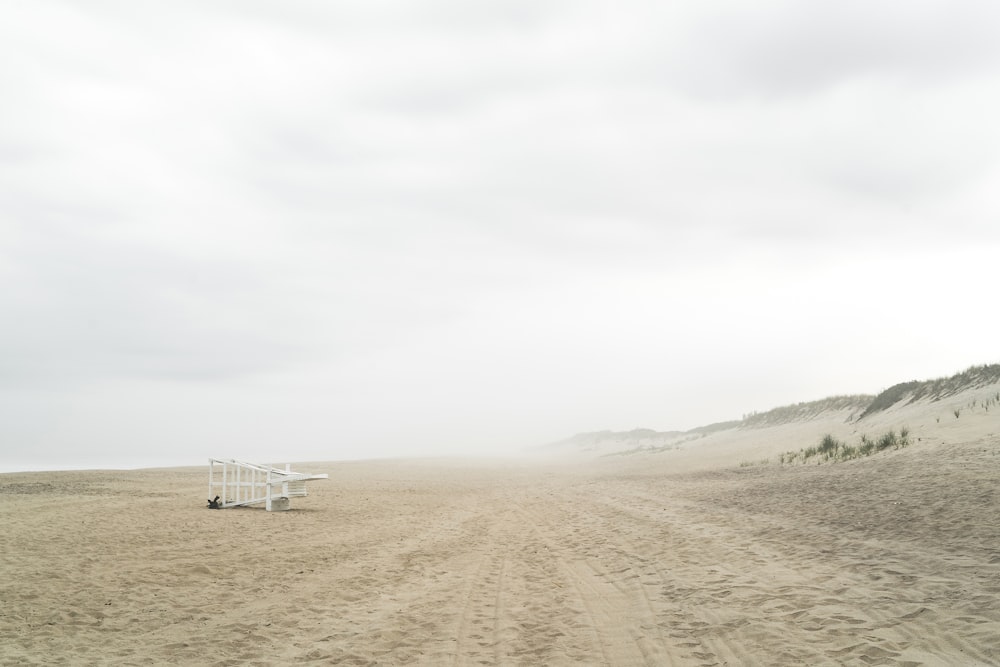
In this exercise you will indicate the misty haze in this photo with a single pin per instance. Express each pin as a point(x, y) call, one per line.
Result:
point(590, 334)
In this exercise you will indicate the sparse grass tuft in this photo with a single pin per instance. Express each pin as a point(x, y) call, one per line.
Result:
point(829, 445)
point(886, 441)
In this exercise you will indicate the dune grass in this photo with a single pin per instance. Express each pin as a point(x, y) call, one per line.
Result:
point(831, 450)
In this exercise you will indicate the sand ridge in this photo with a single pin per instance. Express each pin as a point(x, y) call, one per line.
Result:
point(892, 560)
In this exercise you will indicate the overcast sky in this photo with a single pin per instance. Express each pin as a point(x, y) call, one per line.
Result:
point(326, 230)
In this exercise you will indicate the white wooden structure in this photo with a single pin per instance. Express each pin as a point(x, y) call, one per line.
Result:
point(239, 483)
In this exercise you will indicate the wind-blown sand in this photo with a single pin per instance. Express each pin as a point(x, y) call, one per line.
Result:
point(891, 560)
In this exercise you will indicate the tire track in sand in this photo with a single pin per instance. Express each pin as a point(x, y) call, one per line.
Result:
point(621, 616)
point(514, 607)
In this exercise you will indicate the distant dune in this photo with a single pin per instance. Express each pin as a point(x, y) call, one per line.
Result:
point(927, 408)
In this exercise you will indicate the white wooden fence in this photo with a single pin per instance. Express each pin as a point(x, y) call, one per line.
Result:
point(240, 483)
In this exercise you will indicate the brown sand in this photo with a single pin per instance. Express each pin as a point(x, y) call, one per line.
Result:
point(891, 560)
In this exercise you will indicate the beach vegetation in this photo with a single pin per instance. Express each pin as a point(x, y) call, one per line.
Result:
point(833, 450)
point(802, 411)
point(886, 441)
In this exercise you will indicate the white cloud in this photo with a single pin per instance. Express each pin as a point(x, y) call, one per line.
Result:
point(380, 228)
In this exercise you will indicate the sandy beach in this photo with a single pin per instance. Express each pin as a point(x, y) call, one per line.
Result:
point(889, 560)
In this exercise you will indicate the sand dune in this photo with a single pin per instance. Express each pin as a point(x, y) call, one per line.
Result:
point(960, 408)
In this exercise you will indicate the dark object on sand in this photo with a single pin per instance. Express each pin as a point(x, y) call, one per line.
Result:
point(214, 504)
